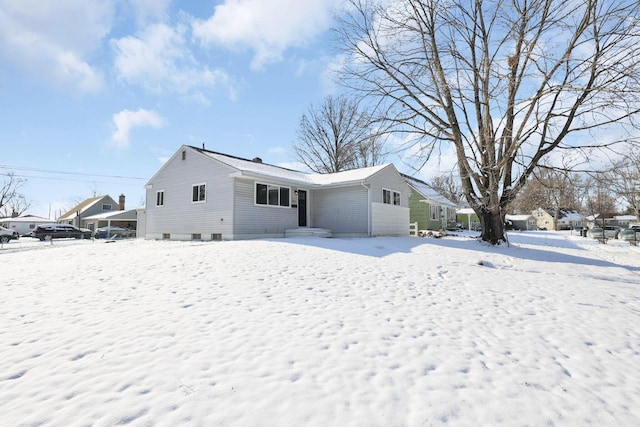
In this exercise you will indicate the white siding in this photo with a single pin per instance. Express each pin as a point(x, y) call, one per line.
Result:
point(253, 221)
point(389, 220)
point(342, 210)
point(179, 216)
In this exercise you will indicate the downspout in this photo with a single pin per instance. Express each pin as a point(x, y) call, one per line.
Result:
point(368, 207)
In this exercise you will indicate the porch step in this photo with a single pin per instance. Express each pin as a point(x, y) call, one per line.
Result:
point(307, 232)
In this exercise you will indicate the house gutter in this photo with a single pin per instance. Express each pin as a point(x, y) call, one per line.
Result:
point(368, 207)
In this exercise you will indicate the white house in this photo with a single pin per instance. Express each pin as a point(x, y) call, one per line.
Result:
point(204, 195)
point(23, 224)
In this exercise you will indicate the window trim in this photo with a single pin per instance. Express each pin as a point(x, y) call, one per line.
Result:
point(279, 187)
point(160, 205)
point(434, 210)
point(386, 191)
point(392, 197)
point(204, 199)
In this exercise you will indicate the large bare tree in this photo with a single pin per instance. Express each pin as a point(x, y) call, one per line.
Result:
point(504, 84)
point(12, 201)
point(338, 136)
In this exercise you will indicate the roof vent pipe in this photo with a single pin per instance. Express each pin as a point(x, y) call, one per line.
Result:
point(257, 159)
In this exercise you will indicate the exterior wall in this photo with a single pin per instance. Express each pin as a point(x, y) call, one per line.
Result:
point(420, 212)
point(24, 225)
point(255, 221)
point(180, 218)
point(389, 220)
point(342, 210)
point(141, 229)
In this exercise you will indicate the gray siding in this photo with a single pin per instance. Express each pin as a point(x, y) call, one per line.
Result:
point(252, 221)
point(179, 216)
point(388, 178)
point(342, 210)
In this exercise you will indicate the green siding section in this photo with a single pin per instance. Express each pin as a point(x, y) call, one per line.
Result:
point(419, 212)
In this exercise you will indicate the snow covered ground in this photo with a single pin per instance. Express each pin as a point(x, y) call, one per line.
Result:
point(319, 332)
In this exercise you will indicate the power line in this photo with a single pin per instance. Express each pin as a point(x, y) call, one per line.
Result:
point(49, 178)
point(67, 173)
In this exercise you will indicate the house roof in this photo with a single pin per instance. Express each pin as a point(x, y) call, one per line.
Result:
point(26, 218)
point(258, 169)
point(519, 217)
point(427, 191)
point(83, 206)
point(128, 215)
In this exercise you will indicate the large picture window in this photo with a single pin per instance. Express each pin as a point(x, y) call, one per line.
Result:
point(199, 193)
point(272, 195)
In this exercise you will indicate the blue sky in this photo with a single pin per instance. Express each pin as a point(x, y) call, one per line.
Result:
point(96, 94)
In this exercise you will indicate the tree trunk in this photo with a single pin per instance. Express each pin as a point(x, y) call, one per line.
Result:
point(492, 226)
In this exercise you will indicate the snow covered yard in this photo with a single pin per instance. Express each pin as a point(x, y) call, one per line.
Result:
point(316, 332)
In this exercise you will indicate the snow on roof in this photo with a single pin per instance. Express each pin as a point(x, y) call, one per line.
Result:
point(427, 191)
point(130, 214)
point(519, 217)
point(26, 219)
point(81, 207)
point(258, 168)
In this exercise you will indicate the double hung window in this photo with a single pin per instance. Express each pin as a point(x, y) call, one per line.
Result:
point(199, 193)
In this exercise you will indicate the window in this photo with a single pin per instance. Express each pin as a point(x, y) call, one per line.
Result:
point(390, 197)
point(166, 236)
point(199, 193)
point(106, 207)
point(396, 198)
point(160, 198)
point(272, 195)
point(433, 212)
point(386, 196)
point(196, 236)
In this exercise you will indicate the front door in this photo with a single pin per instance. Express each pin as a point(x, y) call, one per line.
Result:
point(302, 208)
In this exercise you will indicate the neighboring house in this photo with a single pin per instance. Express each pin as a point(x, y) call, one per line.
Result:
point(567, 219)
point(89, 207)
point(468, 218)
point(427, 207)
point(121, 218)
point(598, 220)
point(521, 222)
point(23, 224)
point(204, 195)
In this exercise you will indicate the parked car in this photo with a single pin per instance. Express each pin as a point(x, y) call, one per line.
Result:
point(60, 231)
point(629, 235)
point(113, 231)
point(7, 234)
point(609, 232)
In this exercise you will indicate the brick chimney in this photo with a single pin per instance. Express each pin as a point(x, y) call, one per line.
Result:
point(121, 202)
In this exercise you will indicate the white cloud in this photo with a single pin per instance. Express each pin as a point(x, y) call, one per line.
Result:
point(126, 120)
point(268, 27)
point(52, 38)
point(160, 61)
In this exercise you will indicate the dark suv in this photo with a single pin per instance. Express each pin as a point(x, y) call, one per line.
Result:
point(60, 231)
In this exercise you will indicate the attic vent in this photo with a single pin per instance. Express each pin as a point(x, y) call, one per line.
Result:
point(257, 159)
point(184, 154)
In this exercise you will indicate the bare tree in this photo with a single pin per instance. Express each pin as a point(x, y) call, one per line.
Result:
point(551, 189)
point(12, 202)
point(503, 84)
point(624, 180)
point(449, 186)
point(337, 136)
